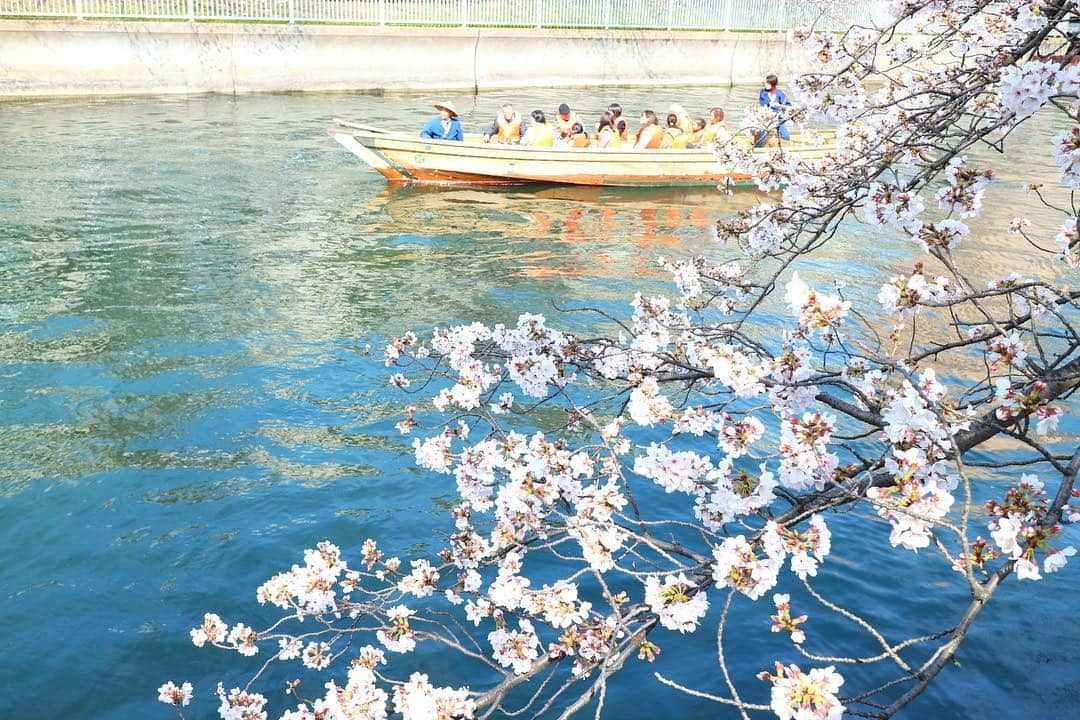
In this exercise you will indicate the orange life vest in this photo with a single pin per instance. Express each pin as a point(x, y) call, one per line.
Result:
point(670, 137)
point(653, 136)
point(697, 137)
point(712, 130)
point(509, 130)
point(614, 140)
point(686, 124)
point(540, 135)
point(623, 127)
point(581, 140)
point(565, 126)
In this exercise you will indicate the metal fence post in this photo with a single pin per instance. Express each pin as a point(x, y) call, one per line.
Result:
point(382, 12)
point(782, 23)
point(78, 10)
point(727, 16)
point(464, 13)
point(191, 10)
point(607, 15)
point(539, 13)
point(670, 9)
point(292, 12)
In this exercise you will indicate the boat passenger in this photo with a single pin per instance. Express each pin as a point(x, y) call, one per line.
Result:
point(540, 133)
point(685, 124)
point(774, 98)
point(564, 121)
point(444, 127)
point(578, 137)
point(673, 136)
point(621, 124)
point(507, 127)
point(697, 137)
point(716, 130)
point(607, 135)
point(650, 134)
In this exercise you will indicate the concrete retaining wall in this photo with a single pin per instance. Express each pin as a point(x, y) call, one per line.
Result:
point(51, 57)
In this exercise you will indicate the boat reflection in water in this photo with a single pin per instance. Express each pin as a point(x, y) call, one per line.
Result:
point(614, 225)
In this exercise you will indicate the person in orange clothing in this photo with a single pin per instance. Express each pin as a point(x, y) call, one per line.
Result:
point(716, 128)
point(564, 121)
point(507, 127)
point(685, 123)
point(697, 137)
point(673, 136)
point(578, 137)
point(621, 124)
point(540, 133)
point(607, 135)
point(650, 135)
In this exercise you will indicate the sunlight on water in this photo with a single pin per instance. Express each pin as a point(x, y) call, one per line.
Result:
point(188, 291)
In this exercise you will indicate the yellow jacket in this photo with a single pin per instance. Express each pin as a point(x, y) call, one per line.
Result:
point(539, 136)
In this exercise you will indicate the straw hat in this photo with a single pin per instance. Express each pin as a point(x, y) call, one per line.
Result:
point(677, 109)
point(448, 106)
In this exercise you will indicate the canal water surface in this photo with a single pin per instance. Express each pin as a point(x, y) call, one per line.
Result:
point(189, 288)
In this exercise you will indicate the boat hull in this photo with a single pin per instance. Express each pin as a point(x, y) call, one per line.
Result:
point(407, 159)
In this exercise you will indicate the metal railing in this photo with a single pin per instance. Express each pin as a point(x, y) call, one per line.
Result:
point(587, 14)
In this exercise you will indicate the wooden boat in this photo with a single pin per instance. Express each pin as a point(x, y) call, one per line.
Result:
point(407, 158)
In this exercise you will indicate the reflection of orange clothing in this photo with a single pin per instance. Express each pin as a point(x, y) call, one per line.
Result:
point(539, 135)
point(581, 140)
point(607, 217)
point(567, 125)
point(649, 137)
point(649, 224)
point(572, 226)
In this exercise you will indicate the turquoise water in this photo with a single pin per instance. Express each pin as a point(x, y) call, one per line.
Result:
point(188, 288)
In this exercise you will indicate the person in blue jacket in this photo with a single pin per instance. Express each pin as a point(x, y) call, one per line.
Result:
point(444, 127)
point(773, 97)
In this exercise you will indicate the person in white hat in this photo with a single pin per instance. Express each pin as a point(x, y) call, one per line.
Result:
point(444, 127)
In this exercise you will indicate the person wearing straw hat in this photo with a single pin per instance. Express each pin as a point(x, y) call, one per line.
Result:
point(444, 127)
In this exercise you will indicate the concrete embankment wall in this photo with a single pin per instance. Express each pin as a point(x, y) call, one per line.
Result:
point(53, 57)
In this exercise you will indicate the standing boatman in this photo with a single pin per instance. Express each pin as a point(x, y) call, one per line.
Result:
point(444, 127)
point(774, 98)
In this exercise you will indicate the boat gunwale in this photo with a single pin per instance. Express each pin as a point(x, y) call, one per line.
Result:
point(454, 148)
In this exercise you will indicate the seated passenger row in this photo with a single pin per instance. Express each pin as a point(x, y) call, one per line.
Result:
point(612, 130)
